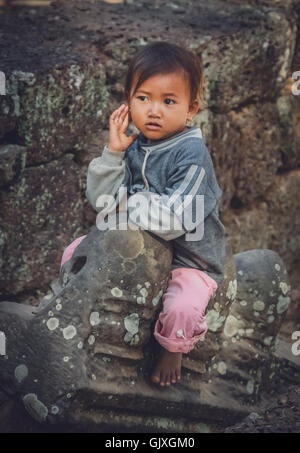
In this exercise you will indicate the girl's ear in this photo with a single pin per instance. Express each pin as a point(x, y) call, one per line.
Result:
point(193, 109)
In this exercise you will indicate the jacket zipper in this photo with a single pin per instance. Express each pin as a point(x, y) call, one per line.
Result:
point(143, 169)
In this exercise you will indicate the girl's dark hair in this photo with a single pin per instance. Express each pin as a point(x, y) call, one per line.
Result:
point(163, 58)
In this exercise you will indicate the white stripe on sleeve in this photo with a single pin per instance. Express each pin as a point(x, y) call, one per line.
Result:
point(189, 197)
point(183, 185)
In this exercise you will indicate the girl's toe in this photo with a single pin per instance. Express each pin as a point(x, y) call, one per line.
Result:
point(155, 378)
point(178, 375)
point(163, 379)
point(167, 380)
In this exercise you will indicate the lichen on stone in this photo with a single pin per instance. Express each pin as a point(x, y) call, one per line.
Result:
point(131, 323)
point(214, 320)
point(54, 410)
point(250, 386)
point(91, 340)
point(222, 368)
point(117, 292)
point(69, 332)
point(231, 290)
point(268, 341)
point(94, 318)
point(144, 292)
point(52, 323)
point(284, 287)
point(282, 304)
point(157, 298)
point(35, 407)
point(21, 372)
point(232, 326)
point(259, 305)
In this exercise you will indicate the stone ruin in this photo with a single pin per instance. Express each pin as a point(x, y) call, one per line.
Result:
point(82, 357)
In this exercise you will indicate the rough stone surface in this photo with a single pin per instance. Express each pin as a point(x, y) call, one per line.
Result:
point(86, 354)
point(251, 331)
point(51, 111)
point(61, 90)
point(272, 222)
point(35, 223)
point(280, 416)
point(296, 60)
point(288, 107)
point(12, 162)
point(278, 3)
point(246, 152)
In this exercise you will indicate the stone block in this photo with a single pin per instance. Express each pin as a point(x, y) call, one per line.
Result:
point(40, 213)
point(245, 147)
point(272, 222)
point(85, 357)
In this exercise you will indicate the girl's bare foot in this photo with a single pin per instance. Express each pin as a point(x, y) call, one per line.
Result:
point(168, 368)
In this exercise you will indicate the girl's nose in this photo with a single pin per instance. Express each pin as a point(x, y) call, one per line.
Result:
point(154, 109)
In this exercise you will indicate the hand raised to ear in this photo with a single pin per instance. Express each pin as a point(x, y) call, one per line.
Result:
point(118, 123)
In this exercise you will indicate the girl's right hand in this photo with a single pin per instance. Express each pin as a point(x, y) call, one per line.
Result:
point(118, 123)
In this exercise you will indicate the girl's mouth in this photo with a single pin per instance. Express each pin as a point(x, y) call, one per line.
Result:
point(153, 126)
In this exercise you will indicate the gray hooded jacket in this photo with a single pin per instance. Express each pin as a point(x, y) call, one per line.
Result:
point(173, 192)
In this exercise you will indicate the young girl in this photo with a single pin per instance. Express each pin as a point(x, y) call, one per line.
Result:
point(169, 168)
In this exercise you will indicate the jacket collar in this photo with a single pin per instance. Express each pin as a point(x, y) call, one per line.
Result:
point(160, 145)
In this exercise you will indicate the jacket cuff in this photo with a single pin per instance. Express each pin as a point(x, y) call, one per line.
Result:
point(112, 158)
point(179, 344)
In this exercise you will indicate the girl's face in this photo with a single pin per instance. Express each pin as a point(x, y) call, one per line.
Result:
point(161, 106)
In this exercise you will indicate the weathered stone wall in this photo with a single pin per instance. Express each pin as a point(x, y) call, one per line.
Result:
point(64, 73)
point(272, 218)
point(53, 121)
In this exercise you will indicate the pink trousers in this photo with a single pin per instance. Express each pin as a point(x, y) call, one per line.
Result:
point(181, 323)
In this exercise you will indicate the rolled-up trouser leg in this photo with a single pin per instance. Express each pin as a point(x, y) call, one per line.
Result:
point(68, 252)
point(181, 324)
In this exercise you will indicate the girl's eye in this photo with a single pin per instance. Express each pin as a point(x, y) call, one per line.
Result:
point(141, 97)
point(169, 100)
